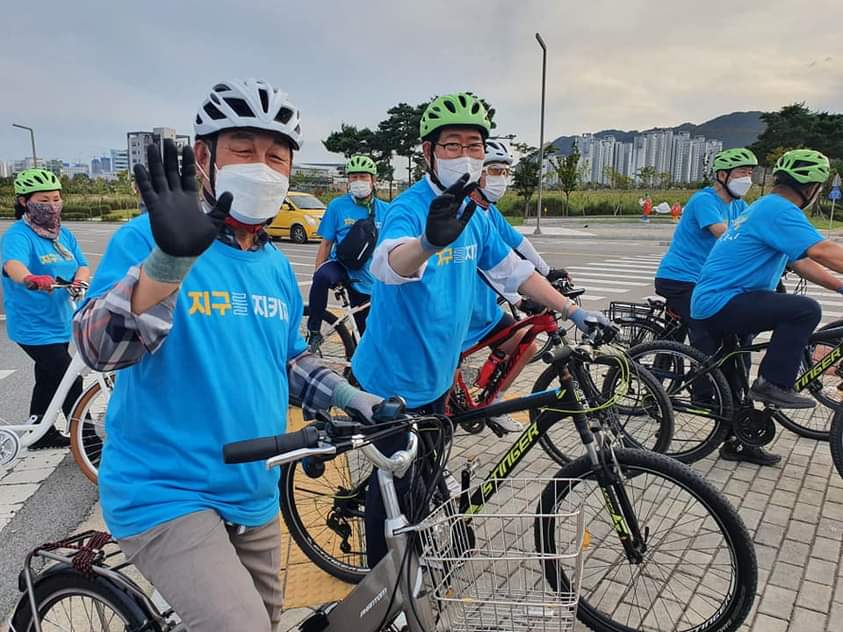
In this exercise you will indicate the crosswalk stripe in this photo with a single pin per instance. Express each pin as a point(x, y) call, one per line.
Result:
point(611, 275)
point(585, 281)
point(592, 297)
point(4, 373)
point(607, 272)
point(610, 290)
point(632, 267)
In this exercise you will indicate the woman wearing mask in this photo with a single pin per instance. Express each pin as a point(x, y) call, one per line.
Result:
point(37, 250)
point(342, 213)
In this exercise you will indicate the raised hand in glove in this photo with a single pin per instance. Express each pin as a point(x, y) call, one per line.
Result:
point(179, 226)
point(444, 225)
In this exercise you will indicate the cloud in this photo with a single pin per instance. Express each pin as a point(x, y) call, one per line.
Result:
point(103, 69)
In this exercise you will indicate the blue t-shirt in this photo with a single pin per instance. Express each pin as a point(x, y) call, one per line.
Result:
point(415, 330)
point(752, 254)
point(338, 219)
point(487, 313)
point(219, 376)
point(692, 240)
point(39, 318)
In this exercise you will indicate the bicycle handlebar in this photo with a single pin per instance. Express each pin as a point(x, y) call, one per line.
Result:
point(266, 447)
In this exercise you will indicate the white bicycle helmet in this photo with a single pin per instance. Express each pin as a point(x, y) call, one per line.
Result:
point(249, 103)
point(497, 152)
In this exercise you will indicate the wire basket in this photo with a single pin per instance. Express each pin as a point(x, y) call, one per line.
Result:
point(485, 569)
point(623, 309)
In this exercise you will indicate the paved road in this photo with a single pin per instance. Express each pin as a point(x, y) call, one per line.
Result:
point(795, 511)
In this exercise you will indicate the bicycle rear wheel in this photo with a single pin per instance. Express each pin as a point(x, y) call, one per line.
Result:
point(702, 404)
point(635, 331)
point(87, 428)
point(826, 388)
point(643, 418)
point(836, 441)
point(325, 514)
point(699, 572)
point(337, 345)
point(68, 600)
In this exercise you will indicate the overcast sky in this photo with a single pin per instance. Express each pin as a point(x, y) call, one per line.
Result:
point(84, 73)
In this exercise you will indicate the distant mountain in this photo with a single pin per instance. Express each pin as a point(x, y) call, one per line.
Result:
point(738, 129)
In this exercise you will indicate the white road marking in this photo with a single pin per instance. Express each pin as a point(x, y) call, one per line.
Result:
point(4, 373)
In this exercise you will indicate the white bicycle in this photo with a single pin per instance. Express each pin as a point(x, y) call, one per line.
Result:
point(86, 425)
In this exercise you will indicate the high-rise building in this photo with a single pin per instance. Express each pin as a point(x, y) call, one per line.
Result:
point(75, 169)
point(137, 142)
point(119, 160)
point(5, 169)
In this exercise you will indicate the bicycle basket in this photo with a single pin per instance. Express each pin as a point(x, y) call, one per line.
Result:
point(482, 568)
point(620, 309)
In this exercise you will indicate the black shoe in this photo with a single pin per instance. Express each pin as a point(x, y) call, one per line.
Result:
point(52, 439)
point(768, 393)
point(734, 451)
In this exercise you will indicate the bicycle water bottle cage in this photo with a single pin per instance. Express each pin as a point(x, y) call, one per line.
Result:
point(754, 427)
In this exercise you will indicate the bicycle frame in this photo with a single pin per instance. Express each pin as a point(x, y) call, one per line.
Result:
point(537, 324)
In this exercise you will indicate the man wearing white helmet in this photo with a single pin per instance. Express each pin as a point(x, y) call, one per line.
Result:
point(201, 313)
point(488, 319)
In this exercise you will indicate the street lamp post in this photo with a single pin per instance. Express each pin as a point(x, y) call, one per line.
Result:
point(538, 230)
point(32, 138)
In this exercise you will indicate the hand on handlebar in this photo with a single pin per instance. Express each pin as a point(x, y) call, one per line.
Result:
point(78, 288)
point(39, 282)
point(556, 274)
point(585, 321)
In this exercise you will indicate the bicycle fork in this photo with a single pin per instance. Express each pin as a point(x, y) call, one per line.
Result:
point(609, 477)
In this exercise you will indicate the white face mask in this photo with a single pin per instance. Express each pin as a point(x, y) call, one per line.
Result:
point(361, 189)
point(495, 188)
point(258, 191)
point(739, 186)
point(449, 170)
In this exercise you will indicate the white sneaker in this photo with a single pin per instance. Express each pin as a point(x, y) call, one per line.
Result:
point(507, 423)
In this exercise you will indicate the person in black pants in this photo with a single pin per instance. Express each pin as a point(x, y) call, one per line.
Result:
point(36, 251)
point(736, 291)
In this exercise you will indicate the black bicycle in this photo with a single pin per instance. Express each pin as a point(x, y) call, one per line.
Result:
point(710, 395)
point(664, 551)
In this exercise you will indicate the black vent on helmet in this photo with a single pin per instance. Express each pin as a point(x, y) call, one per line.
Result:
point(221, 87)
point(450, 105)
point(239, 106)
point(212, 111)
point(198, 120)
point(284, 115)
point(264, 99)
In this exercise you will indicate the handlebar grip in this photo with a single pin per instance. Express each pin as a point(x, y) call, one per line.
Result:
point(266, 447)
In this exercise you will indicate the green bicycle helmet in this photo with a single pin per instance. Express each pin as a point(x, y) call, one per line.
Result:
point(804, 166)
point(460, 108)
point(34, 180)
point(729, 159)
point(361, 164)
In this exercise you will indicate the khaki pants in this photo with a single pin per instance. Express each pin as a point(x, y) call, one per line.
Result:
point(214, 578)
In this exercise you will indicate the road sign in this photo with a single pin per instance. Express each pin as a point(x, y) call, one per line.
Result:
point(836, 182)
point(835, 194)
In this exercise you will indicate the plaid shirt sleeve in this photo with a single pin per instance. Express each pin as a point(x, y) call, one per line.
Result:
point(109, 336)
point(312, 384)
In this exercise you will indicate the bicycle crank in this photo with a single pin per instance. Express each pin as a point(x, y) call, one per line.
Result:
point(754, 427)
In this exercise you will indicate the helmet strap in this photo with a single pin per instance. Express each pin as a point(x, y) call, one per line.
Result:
point(432, 169)
point(725, 184)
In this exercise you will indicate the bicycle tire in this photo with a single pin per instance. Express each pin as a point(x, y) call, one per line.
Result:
point(695, 435)
point(87, 432)
point(310, 530)
point(640, 467)
point(815, 423)
point(835, 441)
point(561, 440)
point(69, 583)
point(338, 347)
point(636, 331)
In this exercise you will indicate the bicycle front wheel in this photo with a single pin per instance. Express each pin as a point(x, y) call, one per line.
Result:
point(642, 418)
point(70, 601)
point(337, 344)
point(325, 514)
point(87, 428)
point(699, 571)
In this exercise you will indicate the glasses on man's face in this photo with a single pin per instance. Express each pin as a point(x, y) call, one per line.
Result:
point(497, 171)
point(455, 150)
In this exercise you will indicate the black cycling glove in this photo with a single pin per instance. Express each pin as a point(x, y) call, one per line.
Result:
point(554, 274)
point(179, 226)
point(443, 224)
